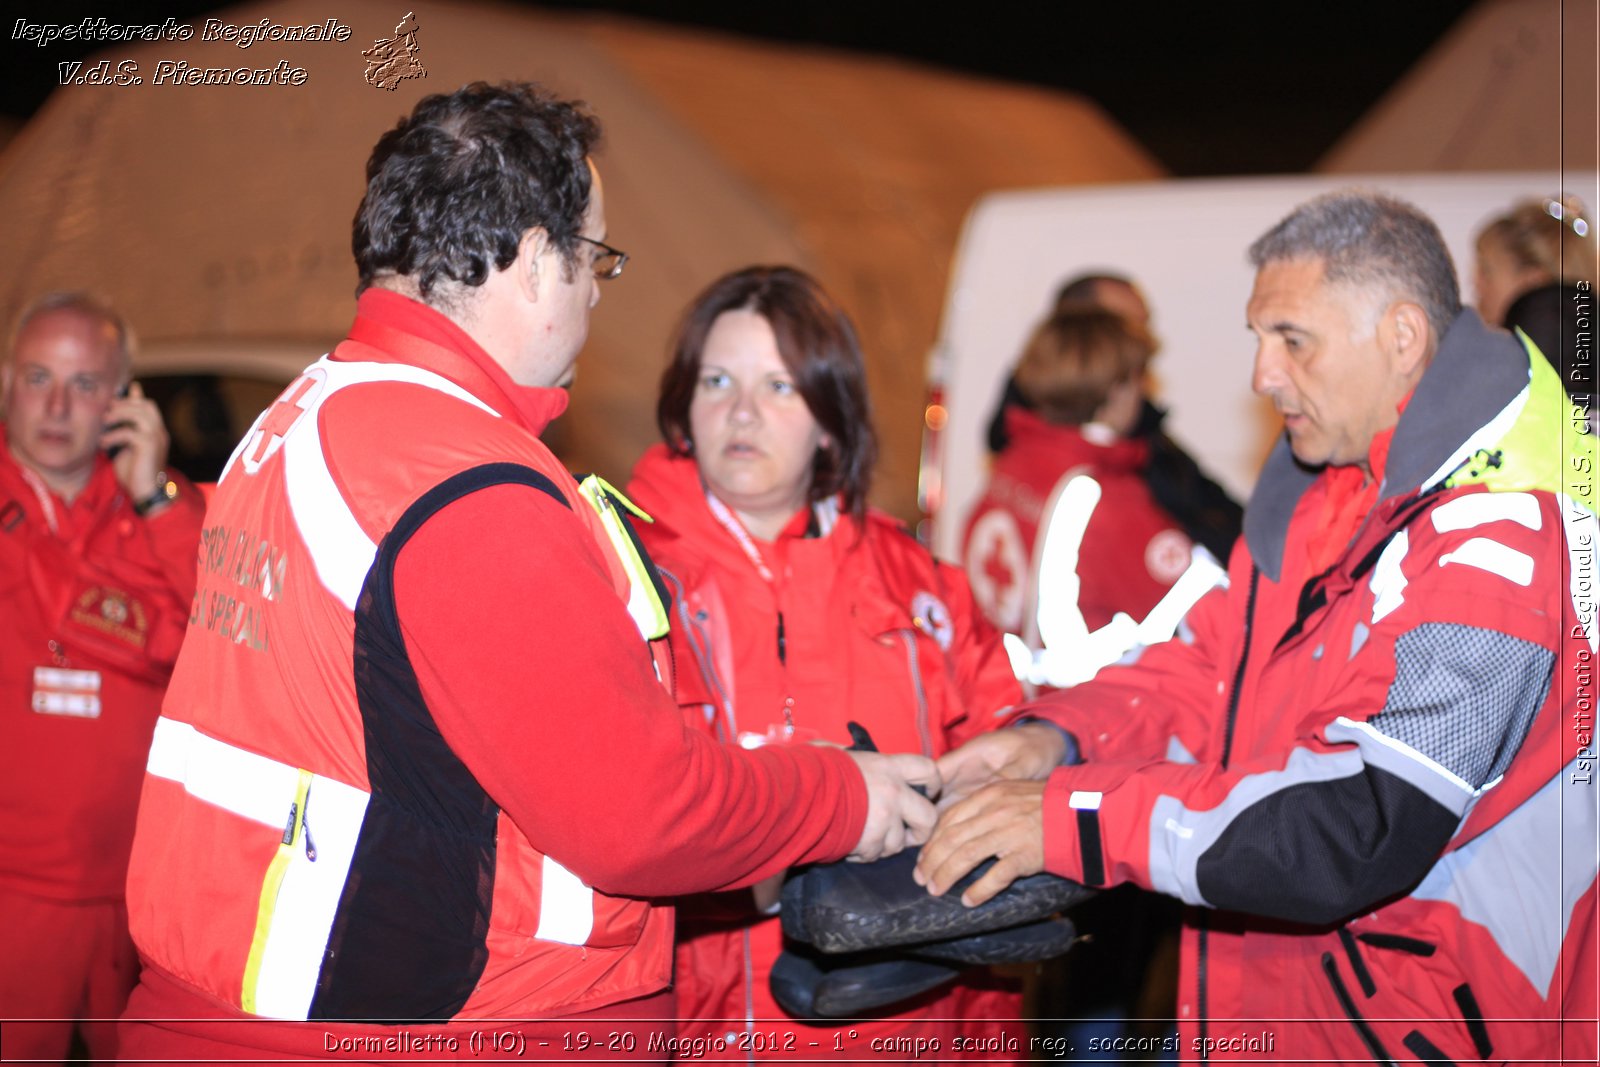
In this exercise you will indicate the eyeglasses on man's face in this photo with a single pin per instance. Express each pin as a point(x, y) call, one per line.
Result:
point(608, 261)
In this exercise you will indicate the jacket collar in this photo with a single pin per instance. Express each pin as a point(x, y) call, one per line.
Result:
point(1032, 437)
point(668, 487)
point(1474, 375)
point(395, 328)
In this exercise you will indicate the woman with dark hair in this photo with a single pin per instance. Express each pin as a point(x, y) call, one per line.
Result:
point(798, 609)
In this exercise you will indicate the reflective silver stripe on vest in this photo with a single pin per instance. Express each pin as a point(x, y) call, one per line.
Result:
point(340, 550)
point(263, 790)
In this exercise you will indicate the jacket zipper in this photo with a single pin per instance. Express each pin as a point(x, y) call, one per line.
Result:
point(700, 647)
point(1347, 1002)
point(1203, 932)
point(914, 661)
point(1244, 660)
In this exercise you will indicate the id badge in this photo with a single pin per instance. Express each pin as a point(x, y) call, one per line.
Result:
point(59, 691)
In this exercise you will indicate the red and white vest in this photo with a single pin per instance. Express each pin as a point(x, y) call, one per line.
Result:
point(309, 847)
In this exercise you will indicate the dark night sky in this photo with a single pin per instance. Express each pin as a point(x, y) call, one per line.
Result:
point(1223, 88)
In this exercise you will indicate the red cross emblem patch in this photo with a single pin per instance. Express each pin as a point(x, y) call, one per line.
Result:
point(266, 437)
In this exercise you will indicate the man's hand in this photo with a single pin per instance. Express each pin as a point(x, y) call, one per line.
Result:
point(897, 815)
point(136, 426)
point(1004, 819)
point(1030, 751)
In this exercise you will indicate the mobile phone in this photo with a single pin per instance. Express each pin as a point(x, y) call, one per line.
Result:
point(111, 453)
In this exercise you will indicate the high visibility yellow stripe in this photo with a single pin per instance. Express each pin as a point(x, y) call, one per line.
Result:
point(644, 605)
point(270, 884)
point(1542, 449)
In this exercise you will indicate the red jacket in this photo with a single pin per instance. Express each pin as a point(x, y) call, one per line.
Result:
point(1131, 553)
point(416, 762)
point(1375, 782)
point(95, 602)
point(856, 624)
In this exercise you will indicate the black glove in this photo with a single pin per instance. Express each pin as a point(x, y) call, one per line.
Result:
point(849, 907)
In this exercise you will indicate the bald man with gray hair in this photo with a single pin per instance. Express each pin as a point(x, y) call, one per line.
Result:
point(97, 557)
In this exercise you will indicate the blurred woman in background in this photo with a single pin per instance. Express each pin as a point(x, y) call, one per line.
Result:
point(1081, 374)
point(1536, 272)
point(798, 609)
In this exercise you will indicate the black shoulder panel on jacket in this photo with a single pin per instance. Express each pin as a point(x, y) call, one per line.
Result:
point(1319, 852)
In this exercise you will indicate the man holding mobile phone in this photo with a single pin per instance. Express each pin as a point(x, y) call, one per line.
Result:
point(97, 571)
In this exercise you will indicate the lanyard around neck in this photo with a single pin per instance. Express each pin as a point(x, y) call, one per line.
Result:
point(47, 504)
point(730, 522)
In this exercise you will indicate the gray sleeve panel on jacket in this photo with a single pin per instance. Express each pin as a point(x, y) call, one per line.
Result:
point(1179, 836)
point(1522, 878)
point(1463, 697)
point(1441, 785)
point(1334, 832)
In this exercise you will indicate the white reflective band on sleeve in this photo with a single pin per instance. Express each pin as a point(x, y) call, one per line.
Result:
point(1492, 556)
point(1475, 509)
point(566, 906)
point(1202, 575)
point(1060, 622)
point(1344, 727)
point(1085, 800)
point(263, 790)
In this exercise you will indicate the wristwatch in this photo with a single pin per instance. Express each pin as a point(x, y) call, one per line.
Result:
point(166, 491)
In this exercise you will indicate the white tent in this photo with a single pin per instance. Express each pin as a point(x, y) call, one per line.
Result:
point(1512, 86)
point(218, 216)
point(1502, 108)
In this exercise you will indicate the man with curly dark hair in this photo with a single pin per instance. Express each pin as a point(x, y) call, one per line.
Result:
point(417, 764)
